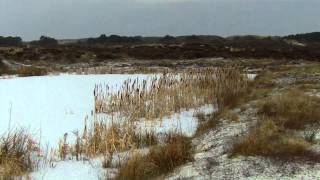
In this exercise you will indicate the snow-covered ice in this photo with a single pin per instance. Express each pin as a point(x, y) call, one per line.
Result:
point(49, 106)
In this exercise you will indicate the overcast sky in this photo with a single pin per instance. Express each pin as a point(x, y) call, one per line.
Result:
point(83, 18)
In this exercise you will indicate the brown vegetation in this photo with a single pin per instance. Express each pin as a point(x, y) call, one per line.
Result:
point(31, 71)
point(292, 109)
point(171, 93)
point(274, 136)
point(160, 160)
point(106, 139)
point(268, 139)
point(207, 122)
point(16, 154)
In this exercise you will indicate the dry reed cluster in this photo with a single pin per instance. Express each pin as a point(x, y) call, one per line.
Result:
point(16, 154)
point(171, 92)
point(101, 138)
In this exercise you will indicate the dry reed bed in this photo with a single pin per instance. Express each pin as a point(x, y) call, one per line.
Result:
point(170, 93)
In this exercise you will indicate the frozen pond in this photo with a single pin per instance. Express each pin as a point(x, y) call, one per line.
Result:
point(49, 106)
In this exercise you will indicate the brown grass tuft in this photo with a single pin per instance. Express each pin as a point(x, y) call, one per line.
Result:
point(292, 109)
point(267, 139)
point(16, 154)
point(160, 160)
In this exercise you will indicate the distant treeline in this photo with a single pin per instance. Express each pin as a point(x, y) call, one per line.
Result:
point(313, 37)
point(116, 39)
point(45, 41)
point(103, 39)
point(10, 41)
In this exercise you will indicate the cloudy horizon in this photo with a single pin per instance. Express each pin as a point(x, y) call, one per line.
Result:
point(69, 19)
